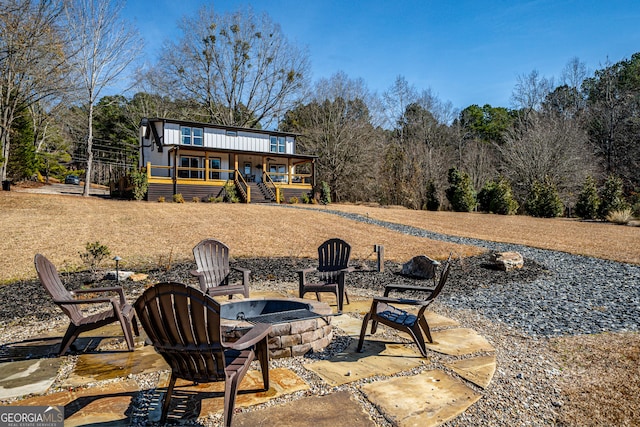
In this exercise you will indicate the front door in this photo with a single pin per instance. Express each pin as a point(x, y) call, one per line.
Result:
point(247, 173)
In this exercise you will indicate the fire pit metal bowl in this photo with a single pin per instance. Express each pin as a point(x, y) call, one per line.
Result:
point(298, 326)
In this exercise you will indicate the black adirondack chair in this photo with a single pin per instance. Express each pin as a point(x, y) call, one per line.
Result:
point(183, 323)
point(333, 260)
point(120, 311)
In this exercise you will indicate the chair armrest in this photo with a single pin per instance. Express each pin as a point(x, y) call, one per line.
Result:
point(245, 274)
point(196, 273)
point(348, 270)
point(83, 301)
point(116, 289)
point(402, 301)
point(302, 274)
point(402, 288)
point(257, 333)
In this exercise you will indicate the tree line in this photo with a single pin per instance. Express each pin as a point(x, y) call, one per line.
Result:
point(543, 155)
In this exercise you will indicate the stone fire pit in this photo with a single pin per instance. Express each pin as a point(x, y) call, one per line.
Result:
point(297, 325)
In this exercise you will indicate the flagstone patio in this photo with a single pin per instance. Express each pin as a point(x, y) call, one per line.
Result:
point(406, 389)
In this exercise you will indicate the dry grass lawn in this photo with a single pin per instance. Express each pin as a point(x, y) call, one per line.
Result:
point(144, 233)
point(601, 379)
point(596, 239)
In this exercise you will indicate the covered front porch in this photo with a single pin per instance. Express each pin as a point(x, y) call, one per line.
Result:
point(254, 176)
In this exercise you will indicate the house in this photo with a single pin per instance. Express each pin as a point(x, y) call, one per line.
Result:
point(199, 159)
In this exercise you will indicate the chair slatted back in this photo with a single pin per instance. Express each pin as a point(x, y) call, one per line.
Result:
point(50, 279)
point(184, 326)
point(444, 274)
point(212, 259)
point(333, 256)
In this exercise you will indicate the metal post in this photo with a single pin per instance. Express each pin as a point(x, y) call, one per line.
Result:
point(117, 260)
point(379, 249)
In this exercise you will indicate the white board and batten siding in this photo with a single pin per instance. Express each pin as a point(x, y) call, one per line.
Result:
point(218, 138)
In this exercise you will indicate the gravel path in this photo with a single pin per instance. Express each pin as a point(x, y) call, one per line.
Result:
point(576, 295)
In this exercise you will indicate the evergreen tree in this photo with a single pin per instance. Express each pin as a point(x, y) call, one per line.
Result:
point(433, 202)
point(588, 200)
point(611, 197)
point(543, 200)
point(497, 197)
point(23, 163)
point(460, 193)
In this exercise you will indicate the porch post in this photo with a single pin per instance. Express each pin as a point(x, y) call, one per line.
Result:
point(235, 165)
point(313, 174)
point(206, 166)
point(175, 171)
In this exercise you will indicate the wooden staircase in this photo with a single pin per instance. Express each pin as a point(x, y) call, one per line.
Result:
point(259, 193)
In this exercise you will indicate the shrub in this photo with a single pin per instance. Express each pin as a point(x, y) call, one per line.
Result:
point(460, 193)
point(195, 199)
point(497, 197)
point(588, 200)
point(432, 202)
point(230, 195)
point(139, 183)
point(324, 193)
point(178, 198)
point(543, 200)
point(94, 254)
point(305, 198)
point(293, 200)
point(611, 198)
point(621, 217)
point(161, 199)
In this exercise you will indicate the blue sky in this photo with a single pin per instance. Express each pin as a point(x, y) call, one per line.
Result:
point(466, 52)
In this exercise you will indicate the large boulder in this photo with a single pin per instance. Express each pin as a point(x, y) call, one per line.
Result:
point(420, 267)
point(507, 261)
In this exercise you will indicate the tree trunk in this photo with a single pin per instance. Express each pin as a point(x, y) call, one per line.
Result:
point(87, 180)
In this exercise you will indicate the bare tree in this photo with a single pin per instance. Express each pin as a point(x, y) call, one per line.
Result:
point(574, 73)
point(238, 66)
point(396, 99)
point(548, 147)
point(106, 46)
point(336, 125)
point(530, 92)
point(32, 62)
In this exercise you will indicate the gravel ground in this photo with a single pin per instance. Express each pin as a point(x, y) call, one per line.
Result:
point(554, 294)
point(575, 295)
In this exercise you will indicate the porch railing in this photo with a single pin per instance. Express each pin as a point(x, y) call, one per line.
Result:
point(243, 188)
point(274, 192)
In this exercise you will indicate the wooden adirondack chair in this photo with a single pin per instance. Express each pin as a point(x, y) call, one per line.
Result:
point(120, 311)
point(212, 259)
point(384, 310)
point(333, 260)
point(183, 324)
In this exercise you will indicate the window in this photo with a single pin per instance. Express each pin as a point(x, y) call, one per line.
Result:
point(189, 167)
point(186, 136)
point(197, 136)
point(214, 168)
point(278, 173)
point(191, 136)
point(277, 144)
